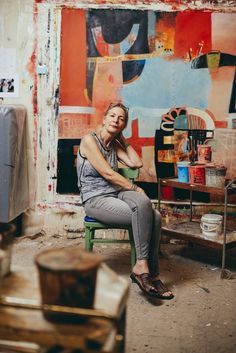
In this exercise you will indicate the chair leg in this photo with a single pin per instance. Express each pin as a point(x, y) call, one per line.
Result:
point(133, 251)
point(89, 234)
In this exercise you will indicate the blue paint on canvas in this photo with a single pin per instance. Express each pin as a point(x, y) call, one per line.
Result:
point(164, 84)
point(161, 86)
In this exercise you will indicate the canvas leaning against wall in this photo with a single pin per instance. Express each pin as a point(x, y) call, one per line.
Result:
point(156, 63)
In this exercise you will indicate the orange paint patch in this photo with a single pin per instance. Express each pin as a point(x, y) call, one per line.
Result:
point(220, 93)
point(73, 58)
point(165, 32)
point(108, 81)
point(31, 64)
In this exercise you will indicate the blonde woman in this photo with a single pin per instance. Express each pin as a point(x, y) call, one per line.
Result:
point(110, 198)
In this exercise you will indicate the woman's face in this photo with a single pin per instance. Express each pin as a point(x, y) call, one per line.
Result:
point(115, 120)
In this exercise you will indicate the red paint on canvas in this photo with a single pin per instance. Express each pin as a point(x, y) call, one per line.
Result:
point(138, 142)
point(31, 67)
point(73, 58)
point(192, 34)
point(221, 124)
point(101, 46)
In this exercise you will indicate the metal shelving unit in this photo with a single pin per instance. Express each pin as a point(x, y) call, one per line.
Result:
point(223, 243)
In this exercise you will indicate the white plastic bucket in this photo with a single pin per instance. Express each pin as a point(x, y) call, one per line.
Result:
point(211, 225)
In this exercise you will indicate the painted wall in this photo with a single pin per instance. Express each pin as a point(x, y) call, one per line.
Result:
point(72, 58)
point(152, 61)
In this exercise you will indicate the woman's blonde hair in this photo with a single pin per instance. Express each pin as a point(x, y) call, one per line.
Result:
point(120, 105)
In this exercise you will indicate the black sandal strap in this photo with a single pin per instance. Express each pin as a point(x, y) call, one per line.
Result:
point(144, 282)
point(162, 289)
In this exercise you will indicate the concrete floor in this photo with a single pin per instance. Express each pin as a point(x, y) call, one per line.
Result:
point(200, 319)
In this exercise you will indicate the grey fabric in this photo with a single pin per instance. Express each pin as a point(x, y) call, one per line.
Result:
point(90, 182)
point(14, 185)
point(135, 209)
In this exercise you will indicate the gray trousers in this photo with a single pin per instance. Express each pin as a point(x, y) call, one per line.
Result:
point(135, 209)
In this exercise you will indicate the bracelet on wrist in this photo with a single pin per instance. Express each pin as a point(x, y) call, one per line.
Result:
point(134, 187)
point(127, 145)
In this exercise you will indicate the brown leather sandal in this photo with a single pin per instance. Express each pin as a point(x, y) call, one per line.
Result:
point(162, 289)
point(144, 282)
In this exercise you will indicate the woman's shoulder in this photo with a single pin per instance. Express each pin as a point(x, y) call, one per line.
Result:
point(85, 144)
point(88, 138)
point(88, 141)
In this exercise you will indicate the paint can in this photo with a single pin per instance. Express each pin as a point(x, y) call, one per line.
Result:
point(197, 174)
point(167, 193)
point(183, 174)
point(211, 225)
point(67, 278)
point(204, 153)
point(215, 176)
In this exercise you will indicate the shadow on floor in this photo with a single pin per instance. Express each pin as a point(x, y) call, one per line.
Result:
point(206, 255)
point(187, 257)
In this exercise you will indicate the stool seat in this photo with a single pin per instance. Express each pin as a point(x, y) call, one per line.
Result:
point(89, 219)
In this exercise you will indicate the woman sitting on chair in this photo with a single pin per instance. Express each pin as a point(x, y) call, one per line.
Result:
point(110, 198)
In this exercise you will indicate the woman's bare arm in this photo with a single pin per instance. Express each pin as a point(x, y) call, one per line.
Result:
point(90, 150)
point(126, 153)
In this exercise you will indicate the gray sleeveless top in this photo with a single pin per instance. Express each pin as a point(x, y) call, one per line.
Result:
point(90, 182)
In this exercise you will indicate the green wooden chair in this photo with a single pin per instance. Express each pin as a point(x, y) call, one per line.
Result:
point(91, 224)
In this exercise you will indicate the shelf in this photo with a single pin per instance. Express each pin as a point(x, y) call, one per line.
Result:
point(223, 242)
point(173, 182)
point(190, 231)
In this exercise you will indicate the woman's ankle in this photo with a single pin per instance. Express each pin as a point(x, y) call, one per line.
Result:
point(140, 267)
point(156, 278)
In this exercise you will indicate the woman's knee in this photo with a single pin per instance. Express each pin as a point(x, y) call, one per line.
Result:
point(144, 202)
point(137, 200)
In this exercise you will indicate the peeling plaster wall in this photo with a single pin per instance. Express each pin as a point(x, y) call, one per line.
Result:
point(163, 5)
point(33, 28)
point(17, 32)
point(30, 28)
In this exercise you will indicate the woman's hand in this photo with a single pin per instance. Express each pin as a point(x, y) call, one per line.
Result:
point(136, 188)
point(140, 190)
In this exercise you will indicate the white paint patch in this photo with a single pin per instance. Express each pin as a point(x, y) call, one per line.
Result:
point(76, 109)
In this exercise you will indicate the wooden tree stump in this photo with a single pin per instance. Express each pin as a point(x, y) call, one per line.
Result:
point(67, 277)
